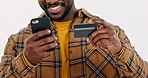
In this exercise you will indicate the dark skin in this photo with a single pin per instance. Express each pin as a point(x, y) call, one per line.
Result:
point(105, 37)
point(35, 50)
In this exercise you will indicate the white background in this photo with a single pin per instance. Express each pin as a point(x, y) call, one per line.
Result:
point(130, 15)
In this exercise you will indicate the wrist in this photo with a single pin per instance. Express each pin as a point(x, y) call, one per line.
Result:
point(121, 50)
point(28, 62)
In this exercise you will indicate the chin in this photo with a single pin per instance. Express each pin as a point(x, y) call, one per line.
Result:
point(55, 17)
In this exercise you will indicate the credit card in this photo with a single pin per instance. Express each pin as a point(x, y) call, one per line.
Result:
point(84, 30)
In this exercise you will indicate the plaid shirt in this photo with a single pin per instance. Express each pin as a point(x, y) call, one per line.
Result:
point(85, 60)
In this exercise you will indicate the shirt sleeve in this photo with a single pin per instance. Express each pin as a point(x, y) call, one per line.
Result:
point(130, 64)
point(13, 64)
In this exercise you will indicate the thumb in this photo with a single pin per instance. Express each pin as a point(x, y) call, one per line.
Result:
point(103, 23)
point(100, 22)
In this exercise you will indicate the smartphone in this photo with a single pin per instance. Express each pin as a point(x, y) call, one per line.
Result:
point(39, 24)
point(84, 30)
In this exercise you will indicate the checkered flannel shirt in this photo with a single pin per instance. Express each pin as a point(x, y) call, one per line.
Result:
point(85, 61)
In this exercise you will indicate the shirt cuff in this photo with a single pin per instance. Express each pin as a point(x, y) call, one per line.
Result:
point(121, 51)
point(125, 53)
point(28, 63)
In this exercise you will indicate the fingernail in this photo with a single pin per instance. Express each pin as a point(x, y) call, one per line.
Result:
point(56, 44)
point(88, 41)
point(90, 21)
point(49, 31)
point(55, 37)
point(91, 44)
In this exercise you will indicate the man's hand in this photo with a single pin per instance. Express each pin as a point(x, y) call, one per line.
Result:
point(36, 49)
point(105, 36)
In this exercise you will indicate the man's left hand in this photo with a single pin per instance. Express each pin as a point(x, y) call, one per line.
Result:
point(105, 36)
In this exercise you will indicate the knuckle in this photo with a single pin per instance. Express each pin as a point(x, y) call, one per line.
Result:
point(45, 40)
point(55, 44)
point(91, 36)
point(41, 33)
point(102, 41)
point(112, 31)
point(112, 37)
point(48, 45)
point(54, 38)
point(37, 34)
point(46, 31)
point(52, 45)
point(27, 41)
point(51, 39)
point(45, 54)
point(30, 47)
point(35, 50)
point(98, 37)
point(98, 43)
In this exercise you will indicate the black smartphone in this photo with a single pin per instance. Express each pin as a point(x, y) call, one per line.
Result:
point(38, 24)
point(84, 30)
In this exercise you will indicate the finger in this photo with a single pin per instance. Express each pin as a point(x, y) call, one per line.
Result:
point(103, 42)
point(39, 34)
point(88, 40)
point(46, 47)
point(101, 22)
point(100, 37)
point(46, 54)
point(98, 31)
point(45, 40)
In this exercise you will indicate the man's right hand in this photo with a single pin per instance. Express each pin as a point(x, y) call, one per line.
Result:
point(36, 49)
